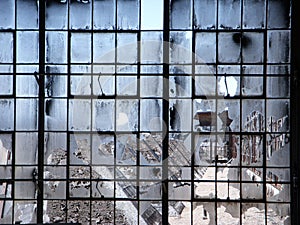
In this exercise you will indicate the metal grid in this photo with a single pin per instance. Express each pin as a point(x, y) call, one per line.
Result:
point(80, 61)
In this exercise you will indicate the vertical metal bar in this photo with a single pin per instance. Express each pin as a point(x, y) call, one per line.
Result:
point(215, 96)
point(295, 110)
point(13, 161)
point(41, 108)
point(115, 94)
point(138, 166)
point(165, 153)
point(68, 113)
point(265, 113)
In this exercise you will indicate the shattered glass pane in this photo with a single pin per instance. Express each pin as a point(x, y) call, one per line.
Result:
point(252, 150)
point(279, 213)
point(205, 14)
point(177, 18)
point(106, 214)
point(150, 190)
point(204, 190)
point(104, 14)
point(6, 149)
point(277, 175)
point(103, 152)
point(278, 46)
point(56, 15)
point(80, 48)
point(7, 14)
point(205, 47)
point(84, 20)
point(128, 14)
point(24, 143)
point(253, 115)
point(79, 186)
point(6, 50)
point(204, 116)
point(103, 115)
point(228, 86)
point(228, 213)
point(229, 14)
point(126, 151)
point(102, 189)
point(27, 14)
point(55, 149)
point(28, 120)
point(27, 41)
point(150, 149)
point(56, 47)
point(104, 48)
point(249, 19)
point(228, 116)
point(55, 211)
point(6, 114)
point(25, 212)
point(78, 211)
point(204, 213)
point(179, 155)
point(126, 212)
point(7, 213)
point(278, 192)
point(80, 149)
point(125, 172)
point(148, 10)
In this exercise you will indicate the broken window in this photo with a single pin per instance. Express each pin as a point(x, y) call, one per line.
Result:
point(131, 112)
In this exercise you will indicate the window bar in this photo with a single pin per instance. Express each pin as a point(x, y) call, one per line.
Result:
point(165, 114)
point(295, 112)
point(41, 119)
